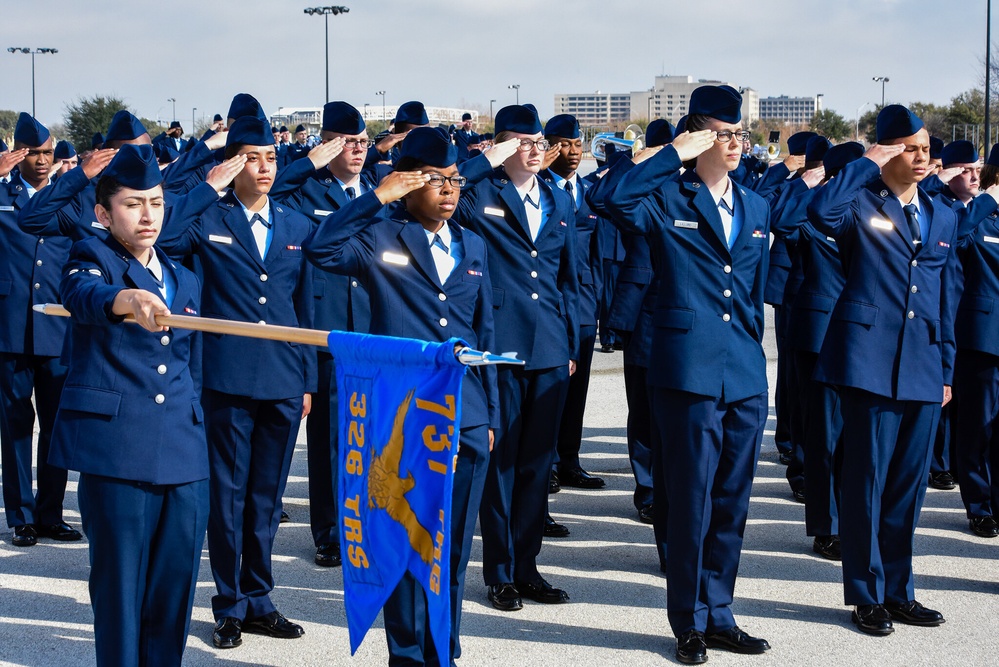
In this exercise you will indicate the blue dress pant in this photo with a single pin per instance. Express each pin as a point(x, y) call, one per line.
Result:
point(570, 432)
point(976, 455)
point(322, 432)
point(823, 454)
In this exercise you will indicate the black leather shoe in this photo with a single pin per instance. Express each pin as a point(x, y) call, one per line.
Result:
point(328, 555)
point(784, 458)
point(913, 613)
point(24, 536)
point(579, 478)
point(228, 633)
point(799, 495)
point(284, 517)
point(606, 348)
point(828, 546)
point(553, 529)
point(505, 597)
point(646, 514)
point(691, 649)
point(553, 485)
point(736, 641)
point(273, 624)
point(873, 619)
point(543, 592)
point(984, 526)
point(942, 480)
point(61, 532)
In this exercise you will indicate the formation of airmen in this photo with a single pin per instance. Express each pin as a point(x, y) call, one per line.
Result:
point(882, 275)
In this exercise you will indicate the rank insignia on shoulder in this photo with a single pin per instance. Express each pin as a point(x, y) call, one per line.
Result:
point(293, 247)
point(758, 234)
point(943, 244)
point(473, 272)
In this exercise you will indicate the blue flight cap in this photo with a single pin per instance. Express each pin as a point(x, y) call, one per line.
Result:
point(29, 132)
point(816, 148)
point(936, 147)
point(342, 118)
point(430, 146)
point(284, 128)
point(797, 143)
point(488, 136)
point(993, 156)
point(961, 151)
point(64, 150)
point(217, 117)
point(274, 130)
point(245, 104)
point(135, 167)
point(658, 133)
point(250, 131)
point(517, 118)
point(124, 127)
point(466, 116)
point(722, 103)
point(895, 121)
point(96, 141)
point(841, 155)
point(167, 153)
point(413, 113)
point(531, 107)
point(299, 128)
point(681, 125)
point(174, 125)
point(563, 125)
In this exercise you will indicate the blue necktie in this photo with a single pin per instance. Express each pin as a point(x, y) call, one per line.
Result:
point(912, 219)
point(350, 193)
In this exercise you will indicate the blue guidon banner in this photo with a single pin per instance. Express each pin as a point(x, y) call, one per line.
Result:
point(399, 411)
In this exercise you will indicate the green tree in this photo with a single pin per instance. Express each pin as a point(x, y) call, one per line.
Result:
point(867, 125)
point(89, 115)
point(8, 121)
point(831, 125)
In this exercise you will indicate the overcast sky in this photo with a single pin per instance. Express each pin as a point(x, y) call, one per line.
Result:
point(201, 52)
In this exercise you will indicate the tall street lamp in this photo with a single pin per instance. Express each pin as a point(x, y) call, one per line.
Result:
point(325, 12)
point(32, 52)
point(382, 93)
point(491, 102)
point(515, 86)
point(193, 109)
point(882, 80)
point(173, 101)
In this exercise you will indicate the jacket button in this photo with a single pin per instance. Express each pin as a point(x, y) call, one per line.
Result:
point(160, 398)
point(535, 296)
point(38, 263)
point(353, 283)
point(534, 253)
point(161, 369)
point(913, 289)
point(165, 340)
point(726, 317)
point(727, 269)
point(442, 296)
point(443, 321)
point(534, 274)
point(41, 241)
point(727, 293)
point(262, 300)
point(261, 322)
point(37, 286)
point(910, 314)
point(915, 263)
point(263, 277)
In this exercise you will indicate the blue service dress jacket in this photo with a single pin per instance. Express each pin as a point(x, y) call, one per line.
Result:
point(131, 405)
point(239, 285)
point(892, 330)
point(391, 255)
point(977, 323)
point(708, 320)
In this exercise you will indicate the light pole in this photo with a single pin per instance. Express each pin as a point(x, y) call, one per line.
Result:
point(988, 68)
point(193, 109)
point(515, 86)
point(882, 80)
point(365, 115)
point(382, 93)
point(491, 110)
point(857, 129)
point(325, 12)
point(25, 49)
point(173, 101)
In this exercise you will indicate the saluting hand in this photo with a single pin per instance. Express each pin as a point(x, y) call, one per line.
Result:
point(794, 162)
point(993, 191)
point(399, 184)
point(217, 140)
point(143, 306)
point(644, 154)
point(813, 177)
point(96, 161)
point(550, 156)
point(387, 142)
point(221, 175)
point(689, 145)
point(10, 160)
point(948, 174)
point(498, 154)
point(323, 154)
point(882, 154)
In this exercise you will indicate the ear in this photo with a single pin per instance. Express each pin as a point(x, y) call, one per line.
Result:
point(103, 215)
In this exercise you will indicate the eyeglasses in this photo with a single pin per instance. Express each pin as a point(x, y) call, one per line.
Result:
point(358, 143)
point(438, 181)
point(725, 136)
point(527, 144)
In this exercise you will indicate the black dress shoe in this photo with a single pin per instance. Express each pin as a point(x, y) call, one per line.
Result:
point(273, 624)
point(618, 345)
point(553, 529)
point(785, 458)
point(553, 485)
point(579, 478)
point(24, 536)
point(736, 641)
point(828, 546)
point(606, 348)
point(691, 649)
point(228, 633)
point(646, 514)
point(873, 619)
point(284, 517)
point(984, 526)
point(328, 555)
point(505, 597)
point(913, 613)
point(799, 495)
point(61, 532)
point(543, 592)
point(942, 480)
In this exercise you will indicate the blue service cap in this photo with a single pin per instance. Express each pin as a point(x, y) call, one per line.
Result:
point(167, 153)
point(413, 113)
point(797, 143)
point(245, 104)
point(488, 136)
point(659, 133)
point(895, 121)
point(274, 130)
point(936, 147)
point(531, 107)
point(841, 155)
point(124, 127)
point(284, 128)
point(681, 125)
point(517, 118)
point(961, 151)
point(174, 125)
point(342, 118)
point(96, 141)
point(722, 103)
point(430, 146)
point(64, 150)
point(993, 156)
point(135, 167)
point(217, 117)
point(299, 128)
point(250, 131)
point(563, 125)
point(466, 116)
point(29, 131)
point(816, 148)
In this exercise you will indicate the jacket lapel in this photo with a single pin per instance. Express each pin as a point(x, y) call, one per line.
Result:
point(891, 210)
point(456, 235)
point(236, 221)
point(414, 238)
point(508, 193)
point(556, 216)
point(704, 203)
point(279, 233)
point(746, 232)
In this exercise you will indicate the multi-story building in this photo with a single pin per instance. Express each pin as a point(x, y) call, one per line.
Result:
point(312, 117)
point(790, 110)
point(595, 108)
